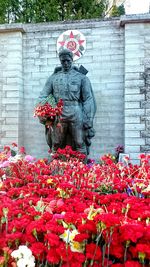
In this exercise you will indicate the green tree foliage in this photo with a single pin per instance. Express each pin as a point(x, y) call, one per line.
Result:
point(3, 8)
point(121, 10)
point(117, 11)
point(33, 11)
point(82, 9)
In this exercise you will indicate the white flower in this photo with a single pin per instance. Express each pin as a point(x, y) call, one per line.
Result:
point(68, 235)
point(15, 158)
point(25, 251)
point(24, 257)
point(146, 189)
point(21, 263)
point(24, 262)
point(16, 254)
point(22, 252)
point(31, 262)
point(76, 247)
point(4, 176)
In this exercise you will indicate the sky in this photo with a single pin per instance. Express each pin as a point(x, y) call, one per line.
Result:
point(137, 6)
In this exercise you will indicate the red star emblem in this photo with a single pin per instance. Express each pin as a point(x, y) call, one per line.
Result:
point(73, 41)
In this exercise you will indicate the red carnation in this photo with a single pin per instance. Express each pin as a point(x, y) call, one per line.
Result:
point(53, 256)
point(117, 265)
point(93, 252)
point(88, 227)
point(81, 237)
point(132, 263)
point(53, 239)
point(38, 250)
point(131, 232)
point(143, 248)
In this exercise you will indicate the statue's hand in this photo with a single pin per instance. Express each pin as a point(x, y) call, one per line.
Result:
point(87, 125)
point(42, 119)
point(89, 134)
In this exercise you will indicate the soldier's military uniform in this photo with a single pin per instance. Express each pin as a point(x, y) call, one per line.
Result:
point(74, 88)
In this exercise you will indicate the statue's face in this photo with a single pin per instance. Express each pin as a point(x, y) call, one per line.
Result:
point(66, 62)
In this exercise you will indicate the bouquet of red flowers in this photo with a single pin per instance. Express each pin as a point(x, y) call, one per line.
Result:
point(49, 110)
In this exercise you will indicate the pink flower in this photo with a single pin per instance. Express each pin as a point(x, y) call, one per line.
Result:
point(22, 150)
point(58, 216)
point(29, 158)
point(5, 164)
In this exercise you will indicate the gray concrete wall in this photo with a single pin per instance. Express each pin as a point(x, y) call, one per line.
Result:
point(116, 57)
point(11, 87)
point(137, 85)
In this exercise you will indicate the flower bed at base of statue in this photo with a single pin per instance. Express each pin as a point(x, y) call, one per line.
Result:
point(70, 214)
point(49, 110)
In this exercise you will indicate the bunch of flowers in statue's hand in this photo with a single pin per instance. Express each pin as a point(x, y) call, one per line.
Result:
point(48, 110)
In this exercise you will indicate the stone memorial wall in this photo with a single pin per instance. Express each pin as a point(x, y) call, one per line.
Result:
point(117, 58)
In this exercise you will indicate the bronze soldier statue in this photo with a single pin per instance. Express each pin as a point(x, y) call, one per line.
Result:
point(74, 88)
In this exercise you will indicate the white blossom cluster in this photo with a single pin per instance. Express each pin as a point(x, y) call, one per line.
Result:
point(23, 256)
